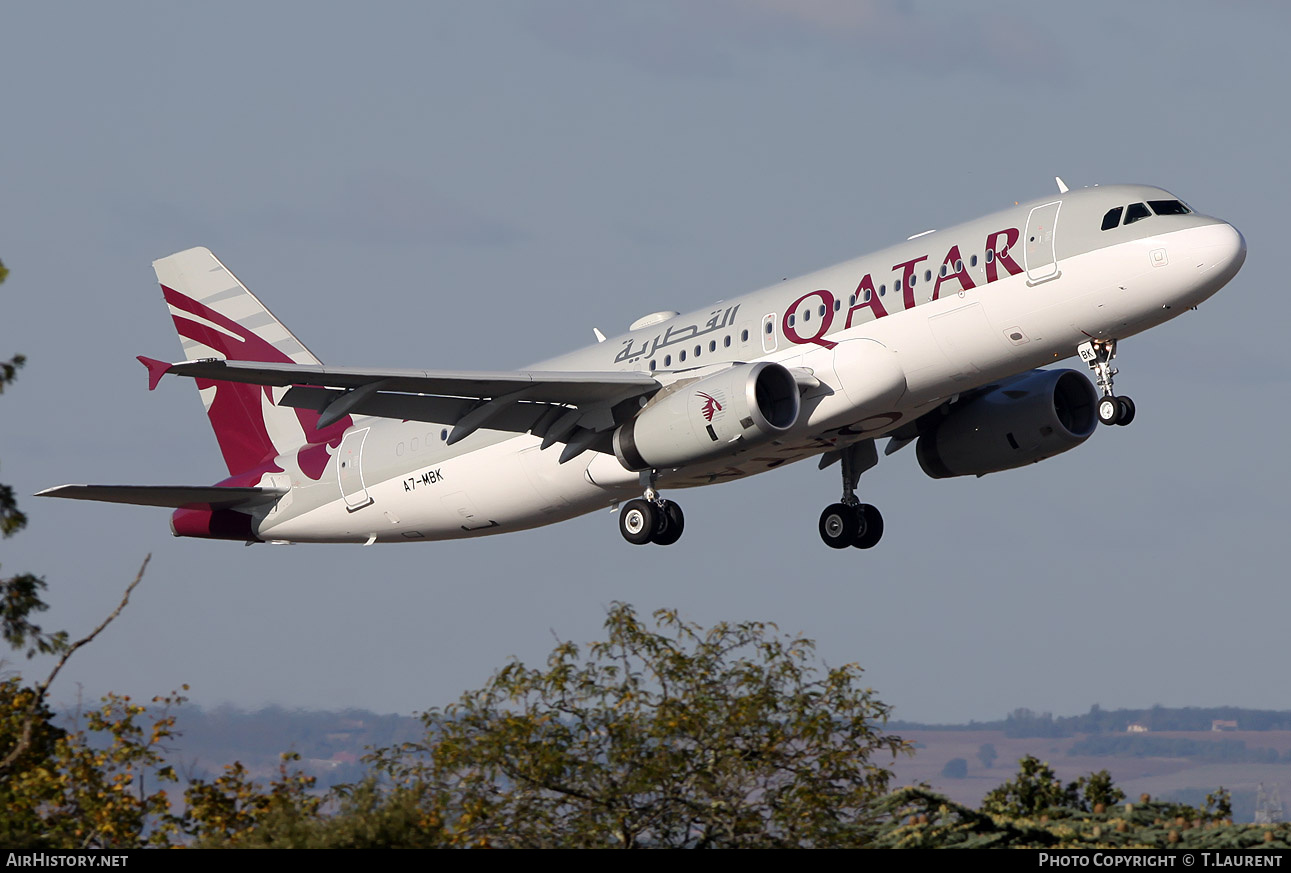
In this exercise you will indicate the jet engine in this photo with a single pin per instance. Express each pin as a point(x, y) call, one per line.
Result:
point(736, 408)
point(1028, 419)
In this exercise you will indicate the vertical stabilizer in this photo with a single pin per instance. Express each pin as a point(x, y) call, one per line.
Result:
point(217, 317)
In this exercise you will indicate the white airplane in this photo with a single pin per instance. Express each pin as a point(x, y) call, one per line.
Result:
point(933, 340)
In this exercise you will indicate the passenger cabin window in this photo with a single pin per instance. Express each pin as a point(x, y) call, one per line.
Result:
point(1113, 218)
point(1169, 207)
point(1136, 212)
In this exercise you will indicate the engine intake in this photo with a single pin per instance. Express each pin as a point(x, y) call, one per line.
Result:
point(1022, 421)
point(744, 405)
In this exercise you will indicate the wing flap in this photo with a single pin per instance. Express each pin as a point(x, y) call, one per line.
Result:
point(551, 386)
point(172, 496)
point(517, 418)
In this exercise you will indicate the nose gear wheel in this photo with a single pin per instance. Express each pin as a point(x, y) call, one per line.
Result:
point(1098, 354)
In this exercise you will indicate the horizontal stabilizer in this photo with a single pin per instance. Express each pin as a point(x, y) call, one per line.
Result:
point(172, 496)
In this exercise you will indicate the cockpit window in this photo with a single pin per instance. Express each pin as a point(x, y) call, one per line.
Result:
point(1168, 207)
point(1112, 218)
point(1135, 212)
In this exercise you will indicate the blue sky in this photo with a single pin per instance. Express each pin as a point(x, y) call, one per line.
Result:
point(477, 186)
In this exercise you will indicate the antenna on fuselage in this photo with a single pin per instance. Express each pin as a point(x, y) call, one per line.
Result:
point(1062, 186)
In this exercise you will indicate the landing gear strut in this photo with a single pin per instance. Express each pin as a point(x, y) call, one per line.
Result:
point(651, 519)
point(850, 522)
point(1098, 354)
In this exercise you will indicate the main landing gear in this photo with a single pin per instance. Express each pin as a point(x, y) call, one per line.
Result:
point(850, 522)
point(1098, 354)
point(651, 519)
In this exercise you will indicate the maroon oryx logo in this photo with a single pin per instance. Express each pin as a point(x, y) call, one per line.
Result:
point(711, 406)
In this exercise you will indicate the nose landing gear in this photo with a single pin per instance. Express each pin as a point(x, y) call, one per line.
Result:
point(1098, 354)
point(651, 519)
point(850, 522)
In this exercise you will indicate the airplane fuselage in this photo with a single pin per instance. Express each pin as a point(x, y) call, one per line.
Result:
point(876, 342)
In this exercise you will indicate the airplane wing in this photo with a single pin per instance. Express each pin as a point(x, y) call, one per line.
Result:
point(577, 408)
point(173, 496)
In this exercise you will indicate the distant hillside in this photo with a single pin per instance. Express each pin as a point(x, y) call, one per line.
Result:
point(1026, 723)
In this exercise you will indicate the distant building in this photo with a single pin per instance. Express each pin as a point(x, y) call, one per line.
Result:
point(1221, 724)
point(1136, 728)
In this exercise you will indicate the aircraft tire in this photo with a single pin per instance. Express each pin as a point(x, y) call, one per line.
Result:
point(870, 530)
point(671, 522)
point(637, 521)
point(838, 525)
point(1126, 410)
point(1109, 410)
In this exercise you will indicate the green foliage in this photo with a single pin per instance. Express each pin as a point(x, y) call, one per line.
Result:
point(85, 788)
point(364, 816)
point(677, 737)
point(19, 598)
point(22, 710)
point(1097, 790)
point(234, 811)
point(1219, 804)
point(1035, 789)
point(1085, 814)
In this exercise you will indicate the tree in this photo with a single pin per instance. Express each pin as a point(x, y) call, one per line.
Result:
point(675, 736)
point(986, 754)
point(956, 768)
point(1035, 789)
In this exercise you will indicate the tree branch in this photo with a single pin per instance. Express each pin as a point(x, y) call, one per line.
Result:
point(29, 723)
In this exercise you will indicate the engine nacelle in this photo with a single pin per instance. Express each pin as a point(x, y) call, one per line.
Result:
point(738, 407)
point(1029, 419)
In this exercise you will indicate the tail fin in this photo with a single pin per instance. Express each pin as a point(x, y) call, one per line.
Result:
point(217, 317)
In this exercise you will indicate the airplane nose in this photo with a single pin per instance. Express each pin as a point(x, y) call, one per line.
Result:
point(1239, 252)
point(1233, 249)
point(1223, 251)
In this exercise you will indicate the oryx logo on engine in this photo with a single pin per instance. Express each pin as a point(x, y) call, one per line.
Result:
point(711, 406)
